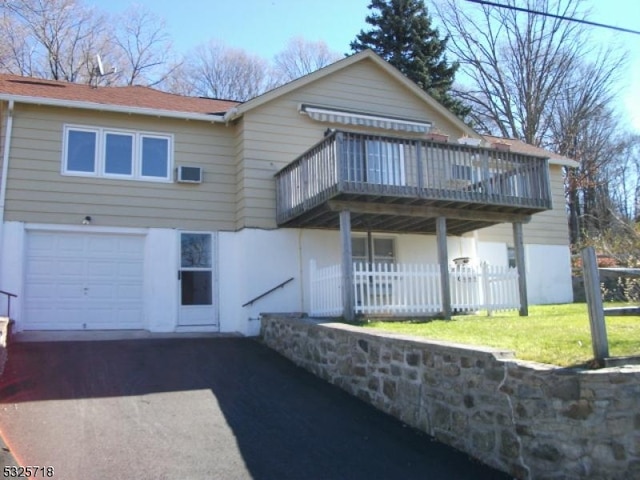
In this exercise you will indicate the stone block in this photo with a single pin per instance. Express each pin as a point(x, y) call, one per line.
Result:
point(579, 410)
point(389, 389)
point(564, 387)
point(412, 358)
point(509, 446)
point(374, 354)
point(468, 401)
point(451, 370)
point(484, 441)
point(546, 452)
point(373, 384)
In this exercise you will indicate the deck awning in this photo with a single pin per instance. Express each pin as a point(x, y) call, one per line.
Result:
point(342, 117)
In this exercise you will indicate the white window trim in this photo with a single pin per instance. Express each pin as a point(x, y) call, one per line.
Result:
point(65, 151)
point(100, 160)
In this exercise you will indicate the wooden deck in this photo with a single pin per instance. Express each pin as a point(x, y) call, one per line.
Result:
point(402, 185)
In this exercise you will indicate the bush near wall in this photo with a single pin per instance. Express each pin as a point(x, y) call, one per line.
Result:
point(530, 420)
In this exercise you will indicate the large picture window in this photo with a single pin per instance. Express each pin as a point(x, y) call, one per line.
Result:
point(121, 154)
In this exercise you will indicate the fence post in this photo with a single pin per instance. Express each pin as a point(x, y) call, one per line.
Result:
point(486, 287)
point(594, 302)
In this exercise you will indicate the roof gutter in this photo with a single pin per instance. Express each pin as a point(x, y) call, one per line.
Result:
point(54, 102)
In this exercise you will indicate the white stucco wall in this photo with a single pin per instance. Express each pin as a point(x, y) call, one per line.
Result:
point(12, 266)
point(161, 280)
point(548, 274)
point(252, 261)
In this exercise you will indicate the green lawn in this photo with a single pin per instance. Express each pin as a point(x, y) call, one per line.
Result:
point(554, 334)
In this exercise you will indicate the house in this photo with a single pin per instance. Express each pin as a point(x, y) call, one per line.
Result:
point(129, 208)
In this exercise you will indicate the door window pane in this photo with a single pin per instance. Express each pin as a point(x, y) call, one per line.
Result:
point(118, 154)
point(155, 157)
point(81, 151)
point(196, 288)
point(195, 250)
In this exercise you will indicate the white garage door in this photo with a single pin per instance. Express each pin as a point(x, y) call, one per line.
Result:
point(77, 281)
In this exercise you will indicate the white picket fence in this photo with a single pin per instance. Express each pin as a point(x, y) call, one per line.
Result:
point(414, 289)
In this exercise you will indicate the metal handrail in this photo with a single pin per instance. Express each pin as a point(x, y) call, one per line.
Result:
point(9, 295)
point(251, 302)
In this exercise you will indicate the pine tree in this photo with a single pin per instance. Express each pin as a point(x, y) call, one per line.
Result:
point(403, 36)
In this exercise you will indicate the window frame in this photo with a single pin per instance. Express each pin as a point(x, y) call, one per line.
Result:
point(377, 258)
point(101, 153)
point(65, 151)
point(104, 135)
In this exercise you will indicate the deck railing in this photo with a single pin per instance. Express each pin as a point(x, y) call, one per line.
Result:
point(414, 289)
point(354, 163)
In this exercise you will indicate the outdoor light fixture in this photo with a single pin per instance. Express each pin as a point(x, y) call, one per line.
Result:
point(86, 220)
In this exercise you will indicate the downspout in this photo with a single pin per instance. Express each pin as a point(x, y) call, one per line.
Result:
point(5, 168)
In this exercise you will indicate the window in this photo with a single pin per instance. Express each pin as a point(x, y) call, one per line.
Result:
point(120, 154)
point(383, 250)
point(81, 151)
point(155, 157)
point(376, 161)
point(511, 257)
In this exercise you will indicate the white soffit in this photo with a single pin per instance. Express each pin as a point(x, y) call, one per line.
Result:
point(329, 115)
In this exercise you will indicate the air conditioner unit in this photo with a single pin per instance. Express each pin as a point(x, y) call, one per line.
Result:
point(189, 174)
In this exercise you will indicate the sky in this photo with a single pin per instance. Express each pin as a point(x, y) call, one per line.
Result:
point(263, 27)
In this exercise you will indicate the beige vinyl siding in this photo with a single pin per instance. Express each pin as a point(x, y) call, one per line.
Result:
point(546, 228)
point(275, 133)
point(39, 193)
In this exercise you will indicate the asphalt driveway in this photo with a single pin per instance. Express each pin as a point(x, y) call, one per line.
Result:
point(221, 408)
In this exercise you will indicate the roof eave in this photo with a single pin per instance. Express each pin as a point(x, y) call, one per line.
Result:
point(566, 162)
point(153, 112)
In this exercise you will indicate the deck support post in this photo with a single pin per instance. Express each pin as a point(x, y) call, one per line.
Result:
point(443, 261)
point(347, 266)
point(518, 244)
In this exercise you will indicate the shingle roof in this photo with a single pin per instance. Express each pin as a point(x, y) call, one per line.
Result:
point(519, 146)
point(133, 96)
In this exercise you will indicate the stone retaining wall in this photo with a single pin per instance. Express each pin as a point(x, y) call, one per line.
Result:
point(530, 420)
point(4, 336)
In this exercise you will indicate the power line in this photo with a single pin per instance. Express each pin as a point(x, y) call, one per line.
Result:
point(559, 17)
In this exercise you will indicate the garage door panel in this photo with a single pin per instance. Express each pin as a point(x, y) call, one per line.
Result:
point(104, 268)
point(70, 247)
point(130, 292)
point(69, 291)
point(83, 281)
point(70, 268)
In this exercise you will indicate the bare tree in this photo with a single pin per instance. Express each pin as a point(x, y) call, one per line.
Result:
point(537, 78)
point(15, 48)
point(301, 57)
point(60, 35)
point(144, 49)
point(518, 65)
point(218, 71)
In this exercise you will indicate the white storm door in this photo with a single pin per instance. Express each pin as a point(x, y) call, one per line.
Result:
point(196, 275)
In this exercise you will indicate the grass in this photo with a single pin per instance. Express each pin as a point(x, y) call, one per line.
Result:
point(553, 334)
